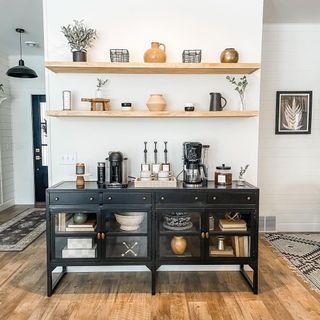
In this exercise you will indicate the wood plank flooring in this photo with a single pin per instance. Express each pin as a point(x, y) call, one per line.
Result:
point(126, 296)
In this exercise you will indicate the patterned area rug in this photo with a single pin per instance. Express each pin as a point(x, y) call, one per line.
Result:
point(17, 233)
point(302, 251)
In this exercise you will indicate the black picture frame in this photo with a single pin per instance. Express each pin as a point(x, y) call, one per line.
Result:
point(293, 112)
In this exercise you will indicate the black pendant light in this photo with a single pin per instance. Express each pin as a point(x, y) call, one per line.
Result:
point(21, 71)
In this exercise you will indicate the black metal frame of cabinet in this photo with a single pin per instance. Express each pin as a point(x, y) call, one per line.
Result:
point(65, 196)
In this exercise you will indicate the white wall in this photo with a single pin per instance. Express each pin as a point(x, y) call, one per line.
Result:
point(21, 91)
point(210, 25)
point(6, 142)
point(289, 172)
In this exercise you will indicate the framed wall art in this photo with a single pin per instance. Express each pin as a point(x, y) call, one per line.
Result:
point(293, 112)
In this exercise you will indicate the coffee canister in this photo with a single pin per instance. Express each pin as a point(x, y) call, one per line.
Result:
point(80, 168)
point(101, 172)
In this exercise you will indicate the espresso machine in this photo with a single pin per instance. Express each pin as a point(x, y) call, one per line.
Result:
point(116, 170)
point(194, 170)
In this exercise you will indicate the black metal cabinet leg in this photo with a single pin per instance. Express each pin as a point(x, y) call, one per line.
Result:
point(255, 280)
point(154, 280)
point(49, 283)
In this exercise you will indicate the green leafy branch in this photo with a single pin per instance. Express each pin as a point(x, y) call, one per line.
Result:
point(240, 85)
point(79, 37)
point(101, 83)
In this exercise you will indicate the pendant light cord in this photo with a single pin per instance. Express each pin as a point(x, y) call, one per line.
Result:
point(20, 48)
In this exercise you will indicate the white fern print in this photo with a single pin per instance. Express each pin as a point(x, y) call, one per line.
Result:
point(293, 116)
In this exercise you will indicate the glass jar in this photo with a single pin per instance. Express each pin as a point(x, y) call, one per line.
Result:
point(223, 176)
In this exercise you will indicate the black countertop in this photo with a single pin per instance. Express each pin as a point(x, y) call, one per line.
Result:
point(92, 185)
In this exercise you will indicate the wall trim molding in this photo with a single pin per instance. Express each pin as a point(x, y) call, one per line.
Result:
point(7, 205)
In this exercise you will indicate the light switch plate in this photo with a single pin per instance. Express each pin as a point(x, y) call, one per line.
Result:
point(68, 158)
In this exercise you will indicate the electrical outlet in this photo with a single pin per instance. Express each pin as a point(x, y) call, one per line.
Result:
point(67, 158)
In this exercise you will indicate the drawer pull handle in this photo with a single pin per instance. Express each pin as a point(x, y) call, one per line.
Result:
point(109, 198)
point(248, 198)
point(214, 198)
point(91, 198)
point(162, 198)
point(99, 235)
point(207, 235)
point(202, 235)
point(103, 235)
point(56, 198)
point(144, 198)
point(196, 198)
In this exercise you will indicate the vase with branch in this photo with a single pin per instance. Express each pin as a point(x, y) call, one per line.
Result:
point(80, 38)
point(240, 87)
point(100, 84)
point(3, 96)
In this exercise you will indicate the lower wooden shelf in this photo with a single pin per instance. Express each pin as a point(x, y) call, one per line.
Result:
point(148, 114)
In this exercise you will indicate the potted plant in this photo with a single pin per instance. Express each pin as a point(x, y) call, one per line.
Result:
point(80, 38)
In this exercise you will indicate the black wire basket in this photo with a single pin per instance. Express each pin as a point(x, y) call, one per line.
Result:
point(191, 56)
point(119, 55)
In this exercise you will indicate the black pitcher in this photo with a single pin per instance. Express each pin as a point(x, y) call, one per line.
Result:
point(215, 101)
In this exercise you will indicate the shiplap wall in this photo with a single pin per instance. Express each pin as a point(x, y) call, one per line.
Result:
point(6, 142)
point(289, 174)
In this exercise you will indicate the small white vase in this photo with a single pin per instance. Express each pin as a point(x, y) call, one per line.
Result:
point(242, 103)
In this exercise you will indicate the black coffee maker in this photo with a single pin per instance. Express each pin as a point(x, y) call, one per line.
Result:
point(194, 171)
point(117, 176)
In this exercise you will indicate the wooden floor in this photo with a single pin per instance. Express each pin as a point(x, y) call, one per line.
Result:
point(122, 296)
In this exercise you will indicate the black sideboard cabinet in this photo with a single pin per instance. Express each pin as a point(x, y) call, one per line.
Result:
point(149, 245)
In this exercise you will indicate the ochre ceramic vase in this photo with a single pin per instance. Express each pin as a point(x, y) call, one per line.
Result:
point(178, 244)
point(156, 102)
point(155, 53)
point(229, 55)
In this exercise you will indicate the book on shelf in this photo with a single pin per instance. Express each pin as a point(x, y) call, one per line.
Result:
point(241, 246)
point(87, 226)
point(79, 253)
point(79, 243)
point(227, 252)
point(230, 225)
point(61, 221)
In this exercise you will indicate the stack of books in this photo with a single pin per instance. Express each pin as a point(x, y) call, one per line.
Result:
point(79, 248)
point(231, 225)
point(87, 226)
point(241, 246)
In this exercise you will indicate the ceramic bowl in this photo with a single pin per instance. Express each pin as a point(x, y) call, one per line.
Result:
point(129, 221)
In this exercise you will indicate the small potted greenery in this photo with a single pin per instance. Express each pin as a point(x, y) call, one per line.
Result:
point(80, 38)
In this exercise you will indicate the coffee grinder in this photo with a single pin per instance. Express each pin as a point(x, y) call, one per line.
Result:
point(116, 173)
point(194, 171)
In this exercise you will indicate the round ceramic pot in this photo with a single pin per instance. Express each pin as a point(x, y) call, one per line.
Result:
point(229, 55)
point(156, 102)
point(155, 53)
point(178, 244)
point(79, 218)
point(79, 56)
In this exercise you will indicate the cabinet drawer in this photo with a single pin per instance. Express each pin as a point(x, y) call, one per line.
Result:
point(231, 198)
point(74, 198)
point(180, 197)
point(127, 198)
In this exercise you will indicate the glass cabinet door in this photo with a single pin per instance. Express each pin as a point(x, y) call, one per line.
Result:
point(74, 234)
point(179, 234)
point(126, 234)
point(229, 233)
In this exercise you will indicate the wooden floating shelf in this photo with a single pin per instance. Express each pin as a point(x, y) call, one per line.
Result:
point(152, 68)
point(148, 114)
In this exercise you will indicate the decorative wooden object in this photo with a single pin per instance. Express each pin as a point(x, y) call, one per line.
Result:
point(159, 114)
point(94, 101)
point(152, 68)
point(171, 183)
